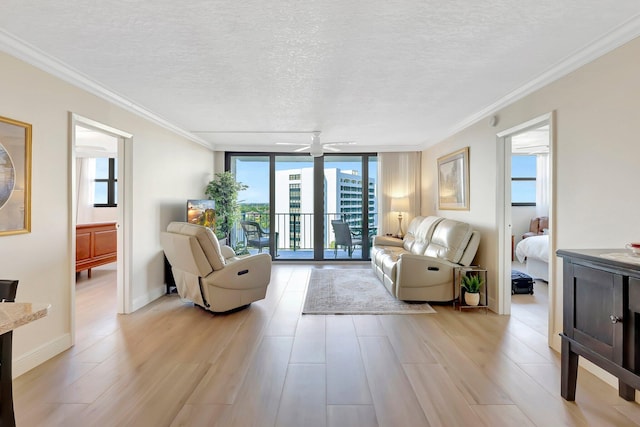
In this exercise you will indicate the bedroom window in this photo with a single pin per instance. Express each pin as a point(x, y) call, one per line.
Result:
point(523, 180)
point(106, 183)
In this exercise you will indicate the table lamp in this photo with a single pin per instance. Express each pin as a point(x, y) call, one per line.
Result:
point(400, 204)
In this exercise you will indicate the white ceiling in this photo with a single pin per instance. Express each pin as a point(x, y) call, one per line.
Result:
point(535, 141)
point(389, 74)
point(92, 143)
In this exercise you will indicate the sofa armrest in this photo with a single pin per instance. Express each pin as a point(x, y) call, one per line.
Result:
point(416, 270)
point(387, 241)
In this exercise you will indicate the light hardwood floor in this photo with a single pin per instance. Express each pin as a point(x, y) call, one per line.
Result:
point(173, 364)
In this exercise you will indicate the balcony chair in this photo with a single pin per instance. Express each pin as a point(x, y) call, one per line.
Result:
point(210, 275)
point(344, 237)
point(255, 235)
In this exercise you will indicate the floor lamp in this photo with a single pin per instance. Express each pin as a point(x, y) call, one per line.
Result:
point(400, 204)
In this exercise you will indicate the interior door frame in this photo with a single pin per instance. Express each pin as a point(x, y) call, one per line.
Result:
point(503, 200)
point(123, 263)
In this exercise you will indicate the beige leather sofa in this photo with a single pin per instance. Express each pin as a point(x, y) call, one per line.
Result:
point(420, 266)
point(210, 275)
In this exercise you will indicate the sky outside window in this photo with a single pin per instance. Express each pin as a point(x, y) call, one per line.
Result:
point(523, 191)
point(255, 174)
point(101, 188)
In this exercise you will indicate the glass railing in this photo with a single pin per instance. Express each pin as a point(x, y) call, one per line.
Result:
point(294, 233)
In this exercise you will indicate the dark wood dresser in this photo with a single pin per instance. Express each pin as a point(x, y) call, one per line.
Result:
point(96, 244)
point(601, 317)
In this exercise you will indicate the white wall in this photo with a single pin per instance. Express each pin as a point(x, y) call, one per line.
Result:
point(597, 152)
point(520, 220)
point(168, 169)
point(104, 214)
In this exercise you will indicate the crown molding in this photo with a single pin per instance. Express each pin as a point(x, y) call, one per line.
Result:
point(34, 56)
point(610, 41)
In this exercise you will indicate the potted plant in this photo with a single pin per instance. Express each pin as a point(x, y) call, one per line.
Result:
point(224, 189)
point(472, 284)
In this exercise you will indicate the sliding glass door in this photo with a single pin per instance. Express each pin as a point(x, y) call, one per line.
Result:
point(252, 233)
point(294, 197)
point(349, 200)
point(311, 208)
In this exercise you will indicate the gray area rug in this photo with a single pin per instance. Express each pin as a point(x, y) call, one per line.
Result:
point(351, 291)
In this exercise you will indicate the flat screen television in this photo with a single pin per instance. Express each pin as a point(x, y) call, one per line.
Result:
point(202, 212)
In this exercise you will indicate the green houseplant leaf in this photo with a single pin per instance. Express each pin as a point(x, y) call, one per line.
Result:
point(472, 283)
point(224, 189)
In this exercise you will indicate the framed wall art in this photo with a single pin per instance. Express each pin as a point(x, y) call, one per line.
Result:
point(453, 180)
point(15, 177)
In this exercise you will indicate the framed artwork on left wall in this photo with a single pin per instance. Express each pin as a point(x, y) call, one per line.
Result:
point(453, 180)
point(15, 177)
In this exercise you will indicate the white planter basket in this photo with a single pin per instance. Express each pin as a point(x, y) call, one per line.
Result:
point(472, 298)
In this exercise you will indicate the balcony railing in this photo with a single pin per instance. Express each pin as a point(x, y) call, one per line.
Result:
point(294, 232)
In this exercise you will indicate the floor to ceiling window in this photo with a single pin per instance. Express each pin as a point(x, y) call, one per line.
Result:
point(253, 233)
point(294, 197)
point(308, 208)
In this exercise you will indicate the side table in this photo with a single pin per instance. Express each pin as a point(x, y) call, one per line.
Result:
point(458, 290)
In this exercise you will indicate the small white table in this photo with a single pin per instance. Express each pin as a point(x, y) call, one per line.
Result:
point(12, 316)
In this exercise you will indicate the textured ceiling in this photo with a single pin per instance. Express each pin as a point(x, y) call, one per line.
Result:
point(388, 74)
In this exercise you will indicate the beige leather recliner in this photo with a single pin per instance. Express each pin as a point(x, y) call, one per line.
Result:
point(210, 275)
point(420, 267)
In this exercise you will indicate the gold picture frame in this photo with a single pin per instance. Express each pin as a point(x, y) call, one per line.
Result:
point(453, 180)
point(15, 177)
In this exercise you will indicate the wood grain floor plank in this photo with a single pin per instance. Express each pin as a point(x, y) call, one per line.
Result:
point(631, 411)
point(402, 335)
point(442, 403)
point(346, 377)
point(303, 400)
point(475, 385)
point(491, 332)
point(198, 415)
point(222, 381)
point(173, 364)
point(260, 394)
point(393, 398)
point(59, 373)
point(285, 319)
point(351, 415)
point(540, 406)
point(298, 280)
point(368, 326)
point(548, 376)
point(50, 414)
point(146, 400)
point(309, 344)
point(501, 416)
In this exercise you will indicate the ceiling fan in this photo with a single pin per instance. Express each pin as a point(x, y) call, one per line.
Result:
point(316, 148)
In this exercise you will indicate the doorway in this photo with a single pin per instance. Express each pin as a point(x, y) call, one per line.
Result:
point(99, 197)
point(526, 193)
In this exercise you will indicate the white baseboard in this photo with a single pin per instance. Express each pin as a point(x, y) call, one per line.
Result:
point(40, 355)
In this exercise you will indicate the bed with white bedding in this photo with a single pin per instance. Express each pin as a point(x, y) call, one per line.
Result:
point(534, 251)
